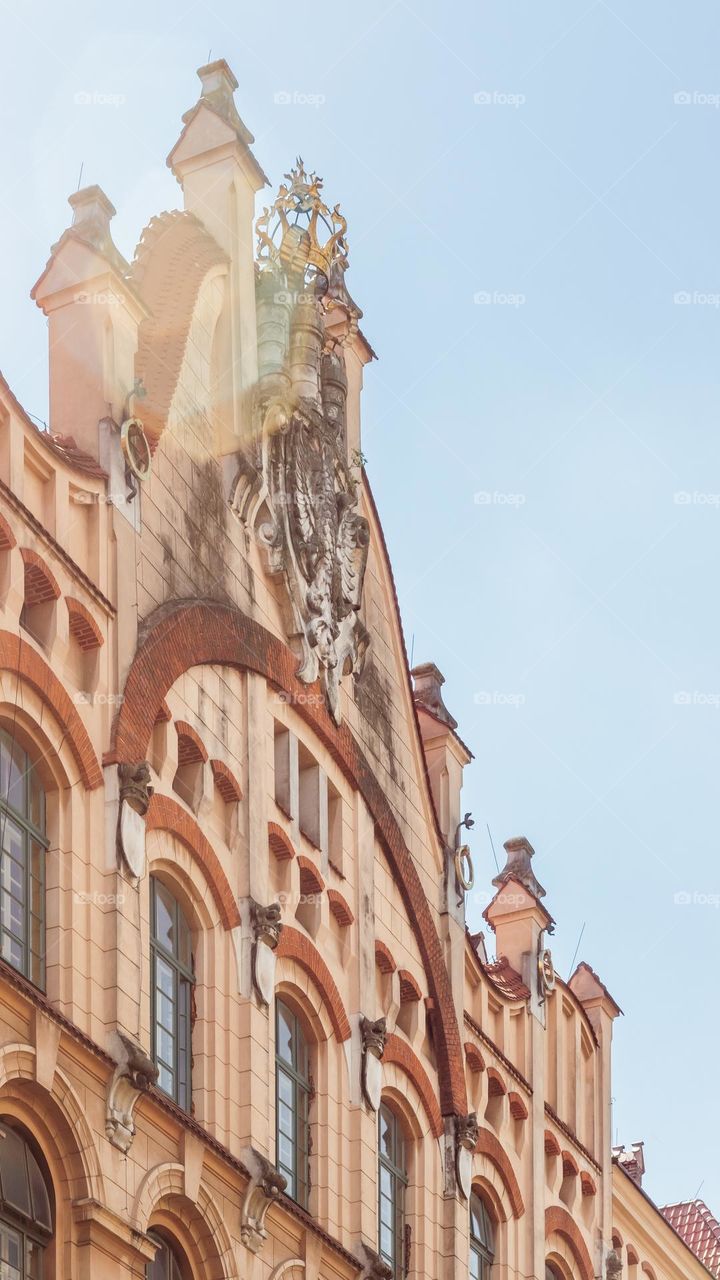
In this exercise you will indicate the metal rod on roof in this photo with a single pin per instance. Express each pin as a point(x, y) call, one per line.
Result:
point(82, 166)
point(492, 846)
point(572, 962)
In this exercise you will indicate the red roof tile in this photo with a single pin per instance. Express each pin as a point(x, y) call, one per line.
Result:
point(506, 979)
point(700, 1230)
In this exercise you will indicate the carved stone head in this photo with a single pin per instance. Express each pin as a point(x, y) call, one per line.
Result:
point(135, 785)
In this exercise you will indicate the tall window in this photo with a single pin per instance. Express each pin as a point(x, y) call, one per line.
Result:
point(392, 1181)
point(165, 1265)
point(25, 1213)
point(293, 1088)
point(482, 1239)
point(172, 990)
point(23, 843)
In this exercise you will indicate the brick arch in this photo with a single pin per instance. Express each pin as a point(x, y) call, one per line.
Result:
point(191, 748)
point(399, 1052)
point(311, 882)
point(83, 626)
point(489, 1146)
point(40, 583)
point(199, 632)
point(559, 1221)
point(16, 655)
point(7, 537)
point(294, 945)
point(165, 814)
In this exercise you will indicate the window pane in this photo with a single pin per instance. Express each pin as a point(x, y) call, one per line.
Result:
point(10, 1253)
point(37, 802)
point(39, 1194)
point(285, 1022)
point(13, 766)
point(164, 916)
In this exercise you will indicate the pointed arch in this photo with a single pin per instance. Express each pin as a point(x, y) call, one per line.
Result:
point(165, 814)
point(399, 1052)
point(199, 632)
point(296, 946)
point(559, 1222)
point(488, 1145)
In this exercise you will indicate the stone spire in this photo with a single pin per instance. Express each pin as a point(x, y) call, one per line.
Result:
point(519, 854)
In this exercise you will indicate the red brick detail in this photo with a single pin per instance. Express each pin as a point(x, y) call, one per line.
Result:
point(191, 748)
point(518, 1107)
point(398, 1051)
point(204, 632)
point(633, 1257)
point(569, 1165)
point(18, 656)
point(474, 1058)
point(166, 814)
point(296, 946)
point(558, 1220)
point(7, 537)
point(552, 1146)
point(489, 1146)
point(409, 990)
point(226, 782)
point(164, 714)
point(496, 1084)
point(280, 843)
point(384, 958)
point(617, 1240)
point(40, 584)
point(83, 626)
point(588, 1184)
point(311, 882)
point(340, 908)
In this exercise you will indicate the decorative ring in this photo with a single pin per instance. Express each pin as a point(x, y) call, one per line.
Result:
point(464, 869)
point(135, 447)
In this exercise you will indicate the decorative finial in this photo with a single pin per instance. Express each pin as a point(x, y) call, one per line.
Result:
point(519, 854)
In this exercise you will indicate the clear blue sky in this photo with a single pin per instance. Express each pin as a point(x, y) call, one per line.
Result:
point(575, 612)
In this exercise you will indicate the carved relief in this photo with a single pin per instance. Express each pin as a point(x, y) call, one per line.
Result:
point(467, 1132)
point(373, 1035)
point(294, 489)
point(133, 1075)
point(266, 927)
point(374, 1267)
point(265, 1185)
point(136, 790)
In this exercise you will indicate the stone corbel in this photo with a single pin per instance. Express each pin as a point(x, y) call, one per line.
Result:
point(136, 790)
point(467, 1132)
point(373, 1047)
point(265, 1186)
point(266, 927)
point(613, 1265)
point(133, 1075)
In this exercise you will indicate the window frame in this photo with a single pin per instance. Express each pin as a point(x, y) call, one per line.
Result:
point(395, 1166)
point(301, 1084)
point(183, 984)
point(177, 1271)
point(31, 1231)
point(33, 963)
point(482, 1248)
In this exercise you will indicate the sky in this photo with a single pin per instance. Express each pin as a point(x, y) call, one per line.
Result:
point(531, 193)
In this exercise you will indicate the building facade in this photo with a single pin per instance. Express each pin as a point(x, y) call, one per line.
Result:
point(244, 1029)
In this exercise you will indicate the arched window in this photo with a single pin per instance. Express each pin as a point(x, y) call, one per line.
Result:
point(392, 1181)
point(23, 842)
point(482, 1239)
point(25, 1209)
point(293, 1094)
point(165, 1264)
point(172, 994)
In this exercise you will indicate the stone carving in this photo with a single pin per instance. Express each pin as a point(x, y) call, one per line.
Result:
point(294, 490)
point(518, 867)
point(136, 790)
point(374, 1267)
point(266, 927)
point(373, 1035)
point(467, 1132)
point(265, 1185)
point(613, 1265)
point(133, 1075)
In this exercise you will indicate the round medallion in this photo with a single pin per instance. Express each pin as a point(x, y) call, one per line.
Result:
point(135, 447)
point(464, 869)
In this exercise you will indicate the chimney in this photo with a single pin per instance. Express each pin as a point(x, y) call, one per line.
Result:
point(93, 318)
point(445, 753)
point(516, 914)
point(220, 176)
point(632, 1161)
